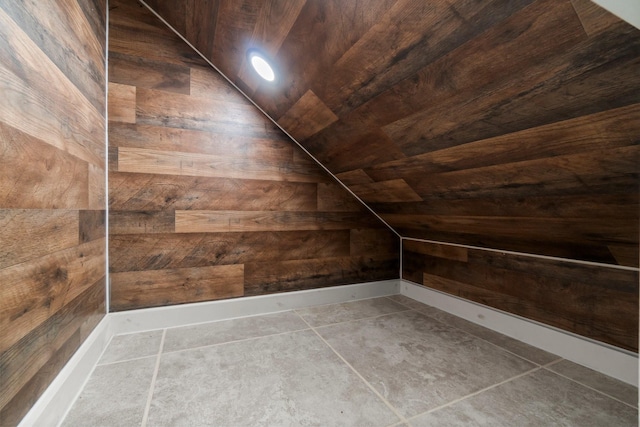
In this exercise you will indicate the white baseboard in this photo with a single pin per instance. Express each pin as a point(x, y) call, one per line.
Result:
point(609, 360)
point(53, 405)
point(179, 315)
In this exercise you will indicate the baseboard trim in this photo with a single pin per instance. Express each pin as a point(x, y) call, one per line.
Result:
point(53, 405)
point(187, 314)
point(615, 362)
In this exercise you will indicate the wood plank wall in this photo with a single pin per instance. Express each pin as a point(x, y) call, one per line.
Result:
point(52, 190)
point(589, 300)
point(207, 198)
point(509, 125)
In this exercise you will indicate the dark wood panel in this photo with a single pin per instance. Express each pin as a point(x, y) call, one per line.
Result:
point(201, 180)
point(52, 191)
point(152, 288)
point(92, 225)
point(148, 73)
point(283, 276)
point(158, 251)
point(409, 91)
point(594, 301)
point(155, 192)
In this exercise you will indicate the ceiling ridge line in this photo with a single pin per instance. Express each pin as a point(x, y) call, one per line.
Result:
point(270, 118)
point(548, 257)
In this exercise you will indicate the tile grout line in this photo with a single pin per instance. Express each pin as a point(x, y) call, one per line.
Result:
point(147, 407)
point(385, 401)
point(234, 341)
point(486, 340)
point(585, 385)
point(460, 399)
point(355, 320)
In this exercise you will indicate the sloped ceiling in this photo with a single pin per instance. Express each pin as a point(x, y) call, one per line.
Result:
point(508, 124)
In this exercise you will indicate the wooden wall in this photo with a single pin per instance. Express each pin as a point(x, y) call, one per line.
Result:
point(52, 190)
point(508, 125)
point(207, 198)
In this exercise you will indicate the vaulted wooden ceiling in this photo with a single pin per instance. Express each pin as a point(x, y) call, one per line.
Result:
point(508, 124)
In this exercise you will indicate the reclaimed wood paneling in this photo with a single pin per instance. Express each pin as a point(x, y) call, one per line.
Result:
point(424, 103)
point(508, 125)
point(52, 191)
point(593, 301)
point(202, 185)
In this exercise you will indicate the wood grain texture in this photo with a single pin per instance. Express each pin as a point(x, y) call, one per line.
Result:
point(488, 104)
point(52, 191)
point(592, 301)
point(296, 120)
point(202, 184)
point(152, 288)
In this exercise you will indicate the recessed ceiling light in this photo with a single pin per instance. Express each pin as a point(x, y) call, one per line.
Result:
point(261, 65)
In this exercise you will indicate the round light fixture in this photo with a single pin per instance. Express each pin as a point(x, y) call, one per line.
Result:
point(261, 65)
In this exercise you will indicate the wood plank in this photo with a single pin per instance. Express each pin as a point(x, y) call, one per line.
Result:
point(338, 154)
point(34, 351)
point(148, 73)
point(594, 301)
point(608, 129)
point(318, 38)
point(307, 116)
point(97, 187)
point(209, 165)
point(69, 40)
point(613, 206)
point(201, 24)
point(574, 237)
point(392, 191)
point(28, 234)
point(92, 225)
point(122, 103)
point(141, 222)
point(411, 35)
point(354, 177)
point(285, 276)
point(455, 253)
point(333, 198)
point(166, 251)
point(373, 242)
point(33, 174)
point(136, 32)
point(243, 221)
point(153, 192)
point(33, 292)
point(269, 147)
point(595, 172)
point(534, 100)
point(155, 288)
point(186, 112)
point(616, 333)
point(206, 82)
point(29, 105)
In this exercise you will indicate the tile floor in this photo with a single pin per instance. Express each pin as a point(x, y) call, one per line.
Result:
point(387, 361)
